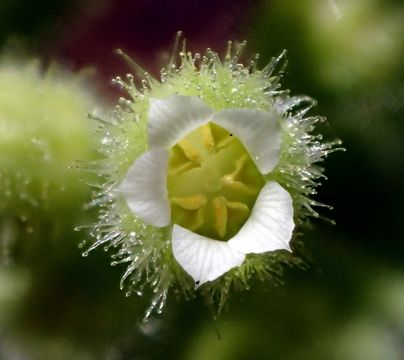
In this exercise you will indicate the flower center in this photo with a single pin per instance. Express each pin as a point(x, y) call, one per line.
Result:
point(212, 182)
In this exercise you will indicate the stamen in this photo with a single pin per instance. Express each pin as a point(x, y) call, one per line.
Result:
point(189, 151)
point(224, 213)
point(237, 185)
point(196, 220)
point(212, 182)
point(239, 166)
point(183, 157)
point(208, 140)
point(214, 138)
point(221, 215)
point(191, 202)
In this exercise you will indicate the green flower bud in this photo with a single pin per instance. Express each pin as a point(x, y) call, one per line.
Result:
point(44, 132)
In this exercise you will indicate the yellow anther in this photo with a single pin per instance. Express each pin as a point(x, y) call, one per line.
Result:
point(196, 220)
point(215, 137)
point(238, 206)
point(221, 215)
point(189, 151)
point(222, 143)
point(179, 169)
point(207, 138)
point(230, 183)
point(183, 157)
point(237, 185)
point(223, 210)
point(239, 166)
point(190, 202)
point(190, 210)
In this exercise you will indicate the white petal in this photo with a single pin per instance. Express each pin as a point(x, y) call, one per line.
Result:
point(203, 258)
point(145, 188)
point(173, 118)
point(259, 131)
point(270, 225)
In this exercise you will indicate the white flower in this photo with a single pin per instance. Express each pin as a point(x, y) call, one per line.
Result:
point(217, 203)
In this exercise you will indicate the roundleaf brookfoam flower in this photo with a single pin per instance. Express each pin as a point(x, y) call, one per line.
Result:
point(205, 175)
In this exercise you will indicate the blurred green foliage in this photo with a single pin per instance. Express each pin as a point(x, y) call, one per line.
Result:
point(348, 305)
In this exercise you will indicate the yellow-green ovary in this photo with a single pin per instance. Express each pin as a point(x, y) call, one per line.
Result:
point(212, 182)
